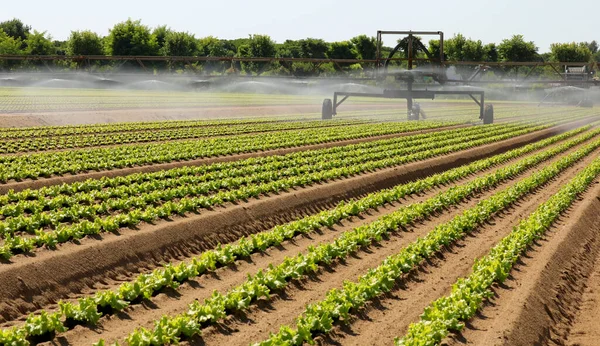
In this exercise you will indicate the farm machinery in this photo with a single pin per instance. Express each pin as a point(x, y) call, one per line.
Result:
point(434, 70)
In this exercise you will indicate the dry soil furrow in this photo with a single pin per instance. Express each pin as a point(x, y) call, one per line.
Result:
point(15, 309)
point(116, 327)
point(50, 275)
point(267, 317)
point(390, 316)
point(539, 303)
point(584, 329)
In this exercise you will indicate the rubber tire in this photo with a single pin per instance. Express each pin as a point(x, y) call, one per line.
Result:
point(488, 114)
point(327, 110)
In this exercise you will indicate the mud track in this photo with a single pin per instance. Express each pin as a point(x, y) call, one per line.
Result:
point(268, 316)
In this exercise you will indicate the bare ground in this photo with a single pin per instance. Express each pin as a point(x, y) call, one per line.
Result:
point(266, 317)
point(34, 281)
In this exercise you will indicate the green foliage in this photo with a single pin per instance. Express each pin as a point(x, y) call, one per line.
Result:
point(570, 52)
point(84, 43)
point(365, 47)
point(468, 294)
point(16, 29)
point(257, 46)
point(517, 49)
point(446, 313)
point(490, 52)
point(213, 47)
point(341, 50)
point(161, 32)
point(459, 48)
point(179, 44)
point(86, 309)
point(130, 38)
point(592, 46)
point(39, 44)
point(305, 48)
point(9, 45)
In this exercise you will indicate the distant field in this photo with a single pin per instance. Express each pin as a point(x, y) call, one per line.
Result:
point(52, 106)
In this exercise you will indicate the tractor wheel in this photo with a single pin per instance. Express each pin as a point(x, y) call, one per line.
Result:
point(327, 110)
point(414, 113)
point(488, 114)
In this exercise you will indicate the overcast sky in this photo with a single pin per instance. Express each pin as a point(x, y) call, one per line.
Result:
point(490, 21)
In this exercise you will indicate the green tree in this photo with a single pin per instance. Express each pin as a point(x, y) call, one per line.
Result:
point(84, 43)
point(180, 44)
point(593, 46)
point(130, 38)
point(16, 29)
point(258, 46)
point(160, 32)
point(517, 49)
point(312, 48)
point(38, 44)
point(570, 52)
point(490, 52)
point(364, 46)
point(9, 46)
point(434, 49)
point(211, 46)
point(308, 48)
point(341, 50)
point(460, 48)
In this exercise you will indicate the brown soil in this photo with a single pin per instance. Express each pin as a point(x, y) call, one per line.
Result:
point(47, 276)
point(539, 303)
point(584, 328)
point(66, 179)
point(380, 321)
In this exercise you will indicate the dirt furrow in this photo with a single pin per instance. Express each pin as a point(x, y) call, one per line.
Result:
point(51, 275)
point(175, 302)
point(538, 304)
point(267, 317)
point(390, 316)
point(584, 329)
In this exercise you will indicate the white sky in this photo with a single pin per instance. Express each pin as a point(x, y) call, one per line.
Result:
point(543, 22)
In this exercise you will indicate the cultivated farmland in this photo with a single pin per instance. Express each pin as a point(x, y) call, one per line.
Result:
point(272, 227)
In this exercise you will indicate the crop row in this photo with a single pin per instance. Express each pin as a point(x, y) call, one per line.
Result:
point(87, 309)
point(147, 212)
point(450, 312)
point(83, 160)
point(319, 317)
point(134, 133)
point(115, 138)
point(235, 178)
point(77, 161)
point(238, 168)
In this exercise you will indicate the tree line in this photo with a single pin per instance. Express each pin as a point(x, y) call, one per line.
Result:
point(131, 37)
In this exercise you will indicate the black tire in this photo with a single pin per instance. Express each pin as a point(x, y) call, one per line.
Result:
point(488, 114)
point(327, 110)
point(414, 113)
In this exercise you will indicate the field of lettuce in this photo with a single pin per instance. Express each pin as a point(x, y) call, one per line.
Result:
point(288, 230)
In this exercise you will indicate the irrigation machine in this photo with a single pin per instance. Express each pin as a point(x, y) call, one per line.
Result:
point(435, 69)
